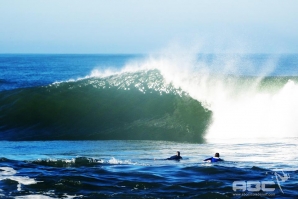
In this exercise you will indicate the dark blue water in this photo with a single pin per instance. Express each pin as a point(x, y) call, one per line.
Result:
point(35, 70)
point(101, 126)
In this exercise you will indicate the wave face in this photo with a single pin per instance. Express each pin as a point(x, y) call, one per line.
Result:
point(129, 105)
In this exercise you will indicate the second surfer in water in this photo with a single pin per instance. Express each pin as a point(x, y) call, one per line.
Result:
point(175, 157)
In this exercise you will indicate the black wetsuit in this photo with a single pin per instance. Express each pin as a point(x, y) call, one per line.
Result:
point(174, 157)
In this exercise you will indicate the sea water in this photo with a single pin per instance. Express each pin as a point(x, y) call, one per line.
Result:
point(100, 126)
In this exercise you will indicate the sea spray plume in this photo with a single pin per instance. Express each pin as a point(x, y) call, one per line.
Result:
point(258, 108)
point(242, 105)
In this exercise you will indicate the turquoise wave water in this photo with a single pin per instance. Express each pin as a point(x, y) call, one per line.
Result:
point(127, 106)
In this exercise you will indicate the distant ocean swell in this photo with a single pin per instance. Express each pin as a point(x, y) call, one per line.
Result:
point(131, 105)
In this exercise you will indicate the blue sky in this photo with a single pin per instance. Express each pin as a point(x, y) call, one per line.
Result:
point(143, 26)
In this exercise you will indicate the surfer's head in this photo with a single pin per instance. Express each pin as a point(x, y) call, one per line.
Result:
point(216, 155)
point(178, 153)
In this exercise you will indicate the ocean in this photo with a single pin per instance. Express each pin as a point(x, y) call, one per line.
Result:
point(102, 126)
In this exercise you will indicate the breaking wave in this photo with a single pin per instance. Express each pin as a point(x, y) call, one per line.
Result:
point(176, 98)
point(136, 105)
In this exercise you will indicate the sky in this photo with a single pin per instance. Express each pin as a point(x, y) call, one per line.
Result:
point(146, 26)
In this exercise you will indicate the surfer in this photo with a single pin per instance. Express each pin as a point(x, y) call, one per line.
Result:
point(175, 157)
point(214, 159)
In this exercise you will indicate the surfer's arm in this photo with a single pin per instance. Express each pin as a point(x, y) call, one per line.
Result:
point(208, 159)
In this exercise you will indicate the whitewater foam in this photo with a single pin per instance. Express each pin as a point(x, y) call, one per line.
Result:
point(9, 173)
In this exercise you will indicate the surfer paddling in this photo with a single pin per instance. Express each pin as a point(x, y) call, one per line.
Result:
point(214, 159)
point(175, 157)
